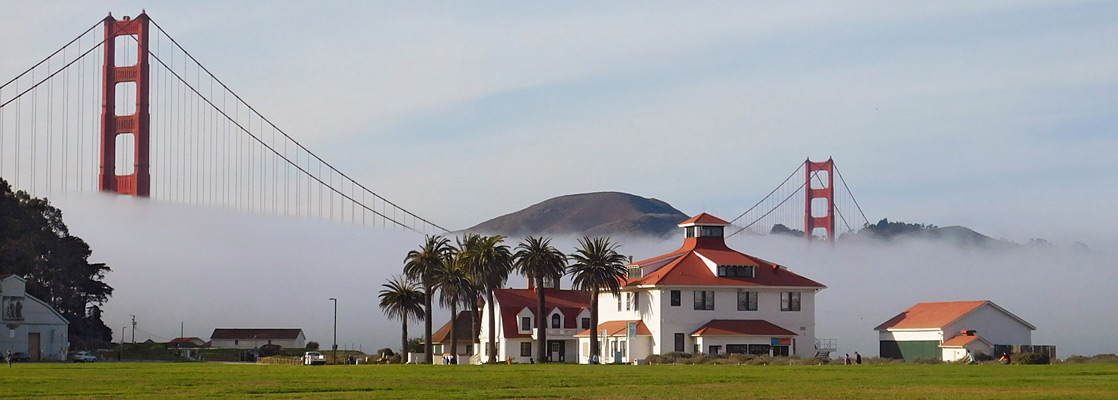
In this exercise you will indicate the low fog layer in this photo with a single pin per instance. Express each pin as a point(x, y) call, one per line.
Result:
point(212, 268)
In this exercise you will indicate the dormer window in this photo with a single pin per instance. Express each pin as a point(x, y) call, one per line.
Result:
point(634, 272)
point(735, 271)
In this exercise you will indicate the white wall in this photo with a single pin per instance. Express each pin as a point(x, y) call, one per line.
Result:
point(916, 335)
point(993, 325)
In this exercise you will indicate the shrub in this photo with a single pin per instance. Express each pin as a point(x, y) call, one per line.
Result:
point(654, 359)
point(980, 357)
point(272, 350)
point(1097, 358)
point(312, 345)
point(927, 360)
point(1033, 358)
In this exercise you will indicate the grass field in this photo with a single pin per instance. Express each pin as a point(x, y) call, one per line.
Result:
point(211, 380)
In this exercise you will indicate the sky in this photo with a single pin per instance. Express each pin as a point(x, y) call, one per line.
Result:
point(999, 116)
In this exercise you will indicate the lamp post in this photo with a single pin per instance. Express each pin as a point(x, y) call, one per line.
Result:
point(335, 347)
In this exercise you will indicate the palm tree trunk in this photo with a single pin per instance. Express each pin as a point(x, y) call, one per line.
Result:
point(541, 321)
point(453, 334)
point(594, 348)
point(475, 322)
point(492, 327)
point(428, 347)
point(404, 341)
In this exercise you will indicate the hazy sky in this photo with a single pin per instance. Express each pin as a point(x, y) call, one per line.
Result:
point(1000, 116)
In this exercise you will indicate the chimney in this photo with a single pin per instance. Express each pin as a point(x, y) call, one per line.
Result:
point(968, 332)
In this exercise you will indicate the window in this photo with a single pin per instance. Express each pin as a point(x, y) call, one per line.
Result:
point(737, 348)
point(675, 298)
point(235, 341)
point(634, 272)
point(714, 350)
point(469, 349)
point(556, 321)
point(525, 349)
point(586, 323)
point(525, 323)
point(747, 301)
point(679, 342)
point(636, 300)
point(710, 231)
point(790, 301)
point(735, 271)
point(619, 302)
point(704, 299)
point(690, 232)
point(437, 348)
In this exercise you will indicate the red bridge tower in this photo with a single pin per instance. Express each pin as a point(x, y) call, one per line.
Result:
point(137, 124)
point(827, 221)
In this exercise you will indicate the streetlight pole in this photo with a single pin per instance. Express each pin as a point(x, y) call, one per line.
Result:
point(335, 348)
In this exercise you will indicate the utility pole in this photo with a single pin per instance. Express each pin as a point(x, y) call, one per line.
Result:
point(133, 328)
point(335, 348)
point(182, 328)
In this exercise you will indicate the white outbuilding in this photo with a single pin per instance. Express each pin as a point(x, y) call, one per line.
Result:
point(947, 330)
point(30, 325)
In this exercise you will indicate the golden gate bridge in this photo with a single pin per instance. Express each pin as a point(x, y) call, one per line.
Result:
point(126, 109)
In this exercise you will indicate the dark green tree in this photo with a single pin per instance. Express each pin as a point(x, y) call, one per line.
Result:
point(537, 259)
point(490, 263)
point(400, 299)
point(36, 244)
point(597, 266)
point(456, 287)
point(420, 266)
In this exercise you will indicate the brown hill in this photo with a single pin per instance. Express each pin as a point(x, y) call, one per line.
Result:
point(603, 213)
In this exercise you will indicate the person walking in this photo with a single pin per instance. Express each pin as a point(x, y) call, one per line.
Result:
point(857, 358)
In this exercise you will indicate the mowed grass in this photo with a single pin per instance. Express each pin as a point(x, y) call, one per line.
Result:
point(210, 380)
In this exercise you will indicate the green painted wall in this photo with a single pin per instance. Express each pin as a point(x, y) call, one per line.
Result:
point(911, 350)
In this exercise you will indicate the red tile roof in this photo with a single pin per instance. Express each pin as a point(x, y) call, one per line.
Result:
point(740, 327)
point(961, 341)
point(512, 301)
point(463, 324)
point(930, 315)
point(703, 219)
point(617, 328)
point(259, 334)
point(687, 268)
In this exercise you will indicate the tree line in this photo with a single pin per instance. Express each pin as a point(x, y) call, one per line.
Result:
point(37, 245)
point(476, 265)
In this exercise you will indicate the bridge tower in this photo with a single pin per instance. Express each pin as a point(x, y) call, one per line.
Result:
point(138, 183)
point(827, 221)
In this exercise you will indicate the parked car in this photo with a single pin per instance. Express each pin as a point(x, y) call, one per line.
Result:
point(313, 358)
point(20, 356)
point(83, 356)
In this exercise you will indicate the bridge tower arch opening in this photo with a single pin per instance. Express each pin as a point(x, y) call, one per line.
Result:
point(138, 181)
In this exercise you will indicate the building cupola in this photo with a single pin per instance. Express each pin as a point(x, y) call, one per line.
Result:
point(704, 228)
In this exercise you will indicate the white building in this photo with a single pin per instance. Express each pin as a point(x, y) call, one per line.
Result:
point(567, 313)
point(30, 324)
point(253, 338)
point(946, 330)
point(706, 298)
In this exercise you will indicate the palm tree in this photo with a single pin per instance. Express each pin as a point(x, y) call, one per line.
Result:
point(420, 266)
point(490, 263)
point(539, 261)
point(401, 299)
point(467, 243)
point(455, 287)
point(597, 265)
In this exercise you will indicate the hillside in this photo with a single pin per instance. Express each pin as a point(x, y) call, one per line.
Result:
point(602, 213)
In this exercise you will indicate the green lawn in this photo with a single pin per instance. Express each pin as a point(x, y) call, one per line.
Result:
point(208, 380)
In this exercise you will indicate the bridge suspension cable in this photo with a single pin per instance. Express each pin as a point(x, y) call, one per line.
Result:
point(208, 145)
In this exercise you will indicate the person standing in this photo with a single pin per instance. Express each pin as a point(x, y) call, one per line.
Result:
point(857, 358)
point(846, 360)
point(9, 358)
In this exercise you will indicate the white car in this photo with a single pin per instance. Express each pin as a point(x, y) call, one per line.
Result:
point(313, 358)
point(84, 357)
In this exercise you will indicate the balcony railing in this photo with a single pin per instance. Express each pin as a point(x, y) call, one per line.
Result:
point(826, 344)
point(556, 333)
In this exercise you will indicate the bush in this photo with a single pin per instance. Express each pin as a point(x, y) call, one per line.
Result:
point(1033, 358)
point(927, 360)
point(980, 357)
point(312, 345)
point(1097, 358)
point(654, 359)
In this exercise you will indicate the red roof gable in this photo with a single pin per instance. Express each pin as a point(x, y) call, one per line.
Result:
point(704, 219)
point(930, 315)
point(512, 301)
point(618, 328)
point(688, 268)
point(740, 327)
